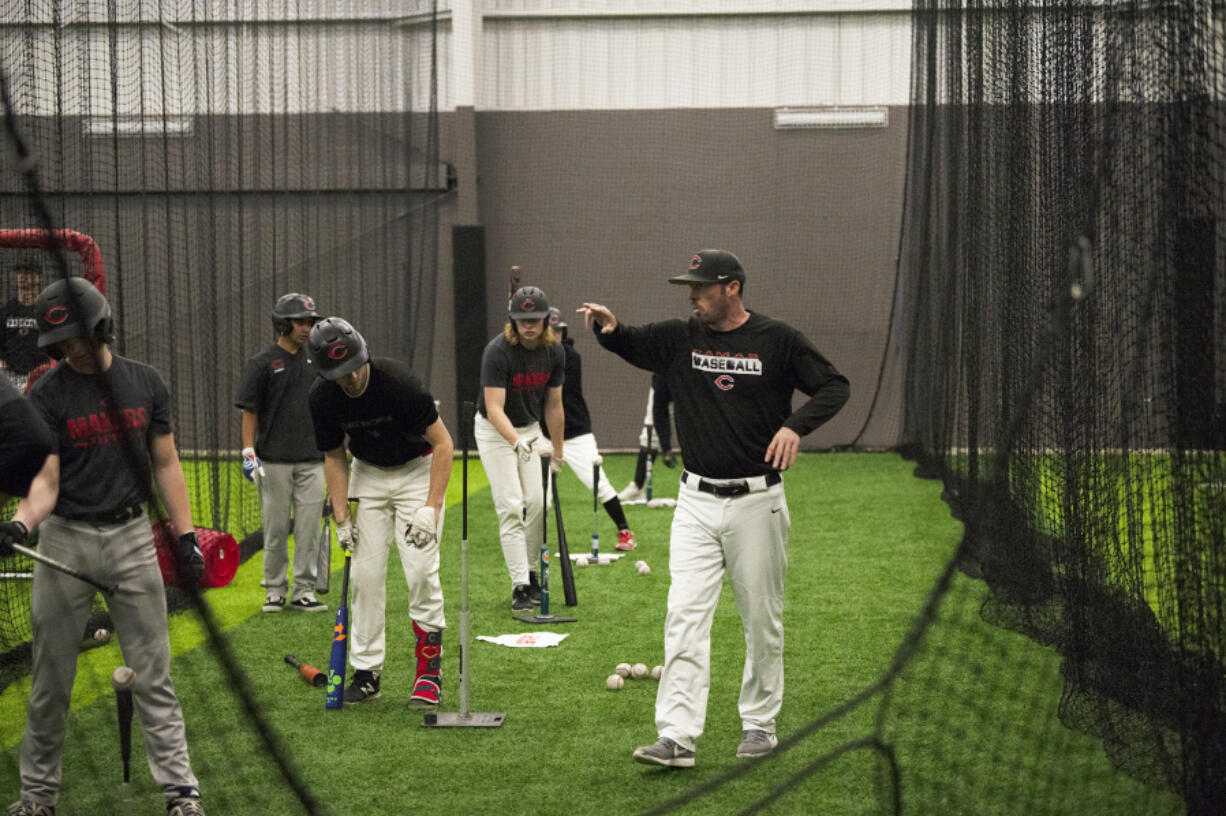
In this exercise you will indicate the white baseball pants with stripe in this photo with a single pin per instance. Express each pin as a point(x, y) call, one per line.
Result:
point(517, 490)
point(386, 500)
point(746, 536)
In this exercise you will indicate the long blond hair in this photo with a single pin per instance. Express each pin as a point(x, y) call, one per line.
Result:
point(548, 337)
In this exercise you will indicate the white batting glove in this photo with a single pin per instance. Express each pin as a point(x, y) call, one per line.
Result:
point(555, 464)
point(346, 536)
point(251, 464)
point(524, 448)
point(420, 531)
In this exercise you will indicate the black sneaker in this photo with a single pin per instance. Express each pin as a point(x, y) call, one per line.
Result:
point(273, 603)
point(534, 588)
point(308, 603)
point(365, 686)
point(521, 599)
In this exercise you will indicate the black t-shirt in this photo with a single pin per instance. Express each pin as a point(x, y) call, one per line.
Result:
point(19, 338)
point(578, 419)
point(102, 424)
point(25, 441)
point(276, 387)
point(386, 426)
point(526, 374)
point(732, 391)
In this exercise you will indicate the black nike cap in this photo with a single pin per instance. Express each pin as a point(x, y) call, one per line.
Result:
point(712, 266)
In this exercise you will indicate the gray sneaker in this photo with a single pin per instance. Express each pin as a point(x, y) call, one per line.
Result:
point(27, 808)
point(664, 752)
point(756, 744)
point(185, 806)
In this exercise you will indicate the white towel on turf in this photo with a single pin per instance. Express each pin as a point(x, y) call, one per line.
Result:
point(526, 640)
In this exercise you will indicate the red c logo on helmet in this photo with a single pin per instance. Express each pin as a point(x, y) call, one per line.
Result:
point(56, 314)
point(308, 304)
point(695, 262)
point(528, 305)
point(338, 351)
point(724, 382)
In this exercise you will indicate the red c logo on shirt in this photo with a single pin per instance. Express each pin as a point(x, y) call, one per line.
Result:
point(338, 351)
point(55, 315)
point(724, 382)
point(277, 365)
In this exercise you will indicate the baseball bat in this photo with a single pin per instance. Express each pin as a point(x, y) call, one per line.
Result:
point(340, 646)
point(309, 673)
point(64, 568)
point(568, 573)
point(122, 680)
point(650, 458)
point(544, 539)
point(595, 510)
point(323, 569)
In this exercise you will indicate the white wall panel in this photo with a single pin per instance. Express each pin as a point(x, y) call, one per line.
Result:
point(540, 62)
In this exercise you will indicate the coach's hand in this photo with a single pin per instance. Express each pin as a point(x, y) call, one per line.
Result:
point(346, 536)
point(421, 529)
point(12, 532)
point(251, 464)
point(781, 452)
point(600, 315)
point(524, 448)
point(191, 560)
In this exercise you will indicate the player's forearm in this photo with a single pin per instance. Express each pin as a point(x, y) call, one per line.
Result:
point(336, 477)
point(250, 424)
point(44, 492)
point(502, 423)
point(555, 419)
point(172, 487)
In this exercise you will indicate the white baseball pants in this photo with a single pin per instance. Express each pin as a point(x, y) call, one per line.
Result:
point(518, 493)
point(386, 500)
point(578, 453)
point(746, 536)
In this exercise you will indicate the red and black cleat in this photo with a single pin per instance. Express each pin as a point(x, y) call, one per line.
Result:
point(429, 651)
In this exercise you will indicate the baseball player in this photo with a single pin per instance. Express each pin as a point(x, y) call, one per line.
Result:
point(732, 373)
point(19, 350)
point(655, 437)
point(280, 456)
point(522, 371)
point(111, 422)
point(401, 466)
point(581, 448)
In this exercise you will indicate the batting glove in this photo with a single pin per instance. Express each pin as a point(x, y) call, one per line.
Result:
point(191, 560)
point(555, 464)
point(420, 531)
point(524, 448)
point(251, 464)
point(670, 459)
point(346, 536)
point(12, 532)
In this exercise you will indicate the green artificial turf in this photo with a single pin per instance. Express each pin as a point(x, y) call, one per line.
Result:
point(868, 541)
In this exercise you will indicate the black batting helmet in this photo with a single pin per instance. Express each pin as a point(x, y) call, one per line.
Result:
point(295, 304)
point(72, 307)
point(528, 303)
point(555, 318)
point(336, 348)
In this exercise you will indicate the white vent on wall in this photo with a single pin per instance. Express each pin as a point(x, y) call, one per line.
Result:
point(136, 126)
point(836, 117)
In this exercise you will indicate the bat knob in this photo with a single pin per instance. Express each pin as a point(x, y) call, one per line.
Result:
point(123, 678)
point(290, 659)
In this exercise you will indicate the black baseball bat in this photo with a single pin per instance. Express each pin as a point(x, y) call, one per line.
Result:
point(64, 568)
point(568, 573)
point(544, 538)
point(323, 568)
point(122, 680)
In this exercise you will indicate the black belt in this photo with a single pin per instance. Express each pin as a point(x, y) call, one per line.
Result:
point(730, 488)
point(117, 516)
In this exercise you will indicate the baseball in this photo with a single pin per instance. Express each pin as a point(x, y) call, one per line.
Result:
point(613, 682)
point(644, 569)
point(640, 563)
point(657, 671)
point(622, 670)
point(639, 670)
point(598, 460)
point(102, 636)
point(581, 561)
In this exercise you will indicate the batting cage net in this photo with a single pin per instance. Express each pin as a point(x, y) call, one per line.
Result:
point(999, 220)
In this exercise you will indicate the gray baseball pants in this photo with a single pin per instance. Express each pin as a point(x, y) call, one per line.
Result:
point(291, 498)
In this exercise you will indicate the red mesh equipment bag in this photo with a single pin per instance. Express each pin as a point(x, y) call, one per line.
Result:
point(219, 548)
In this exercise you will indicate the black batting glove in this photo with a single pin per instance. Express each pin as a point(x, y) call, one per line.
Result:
point(670, 459)
point(191, 560)
point(12, 532)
